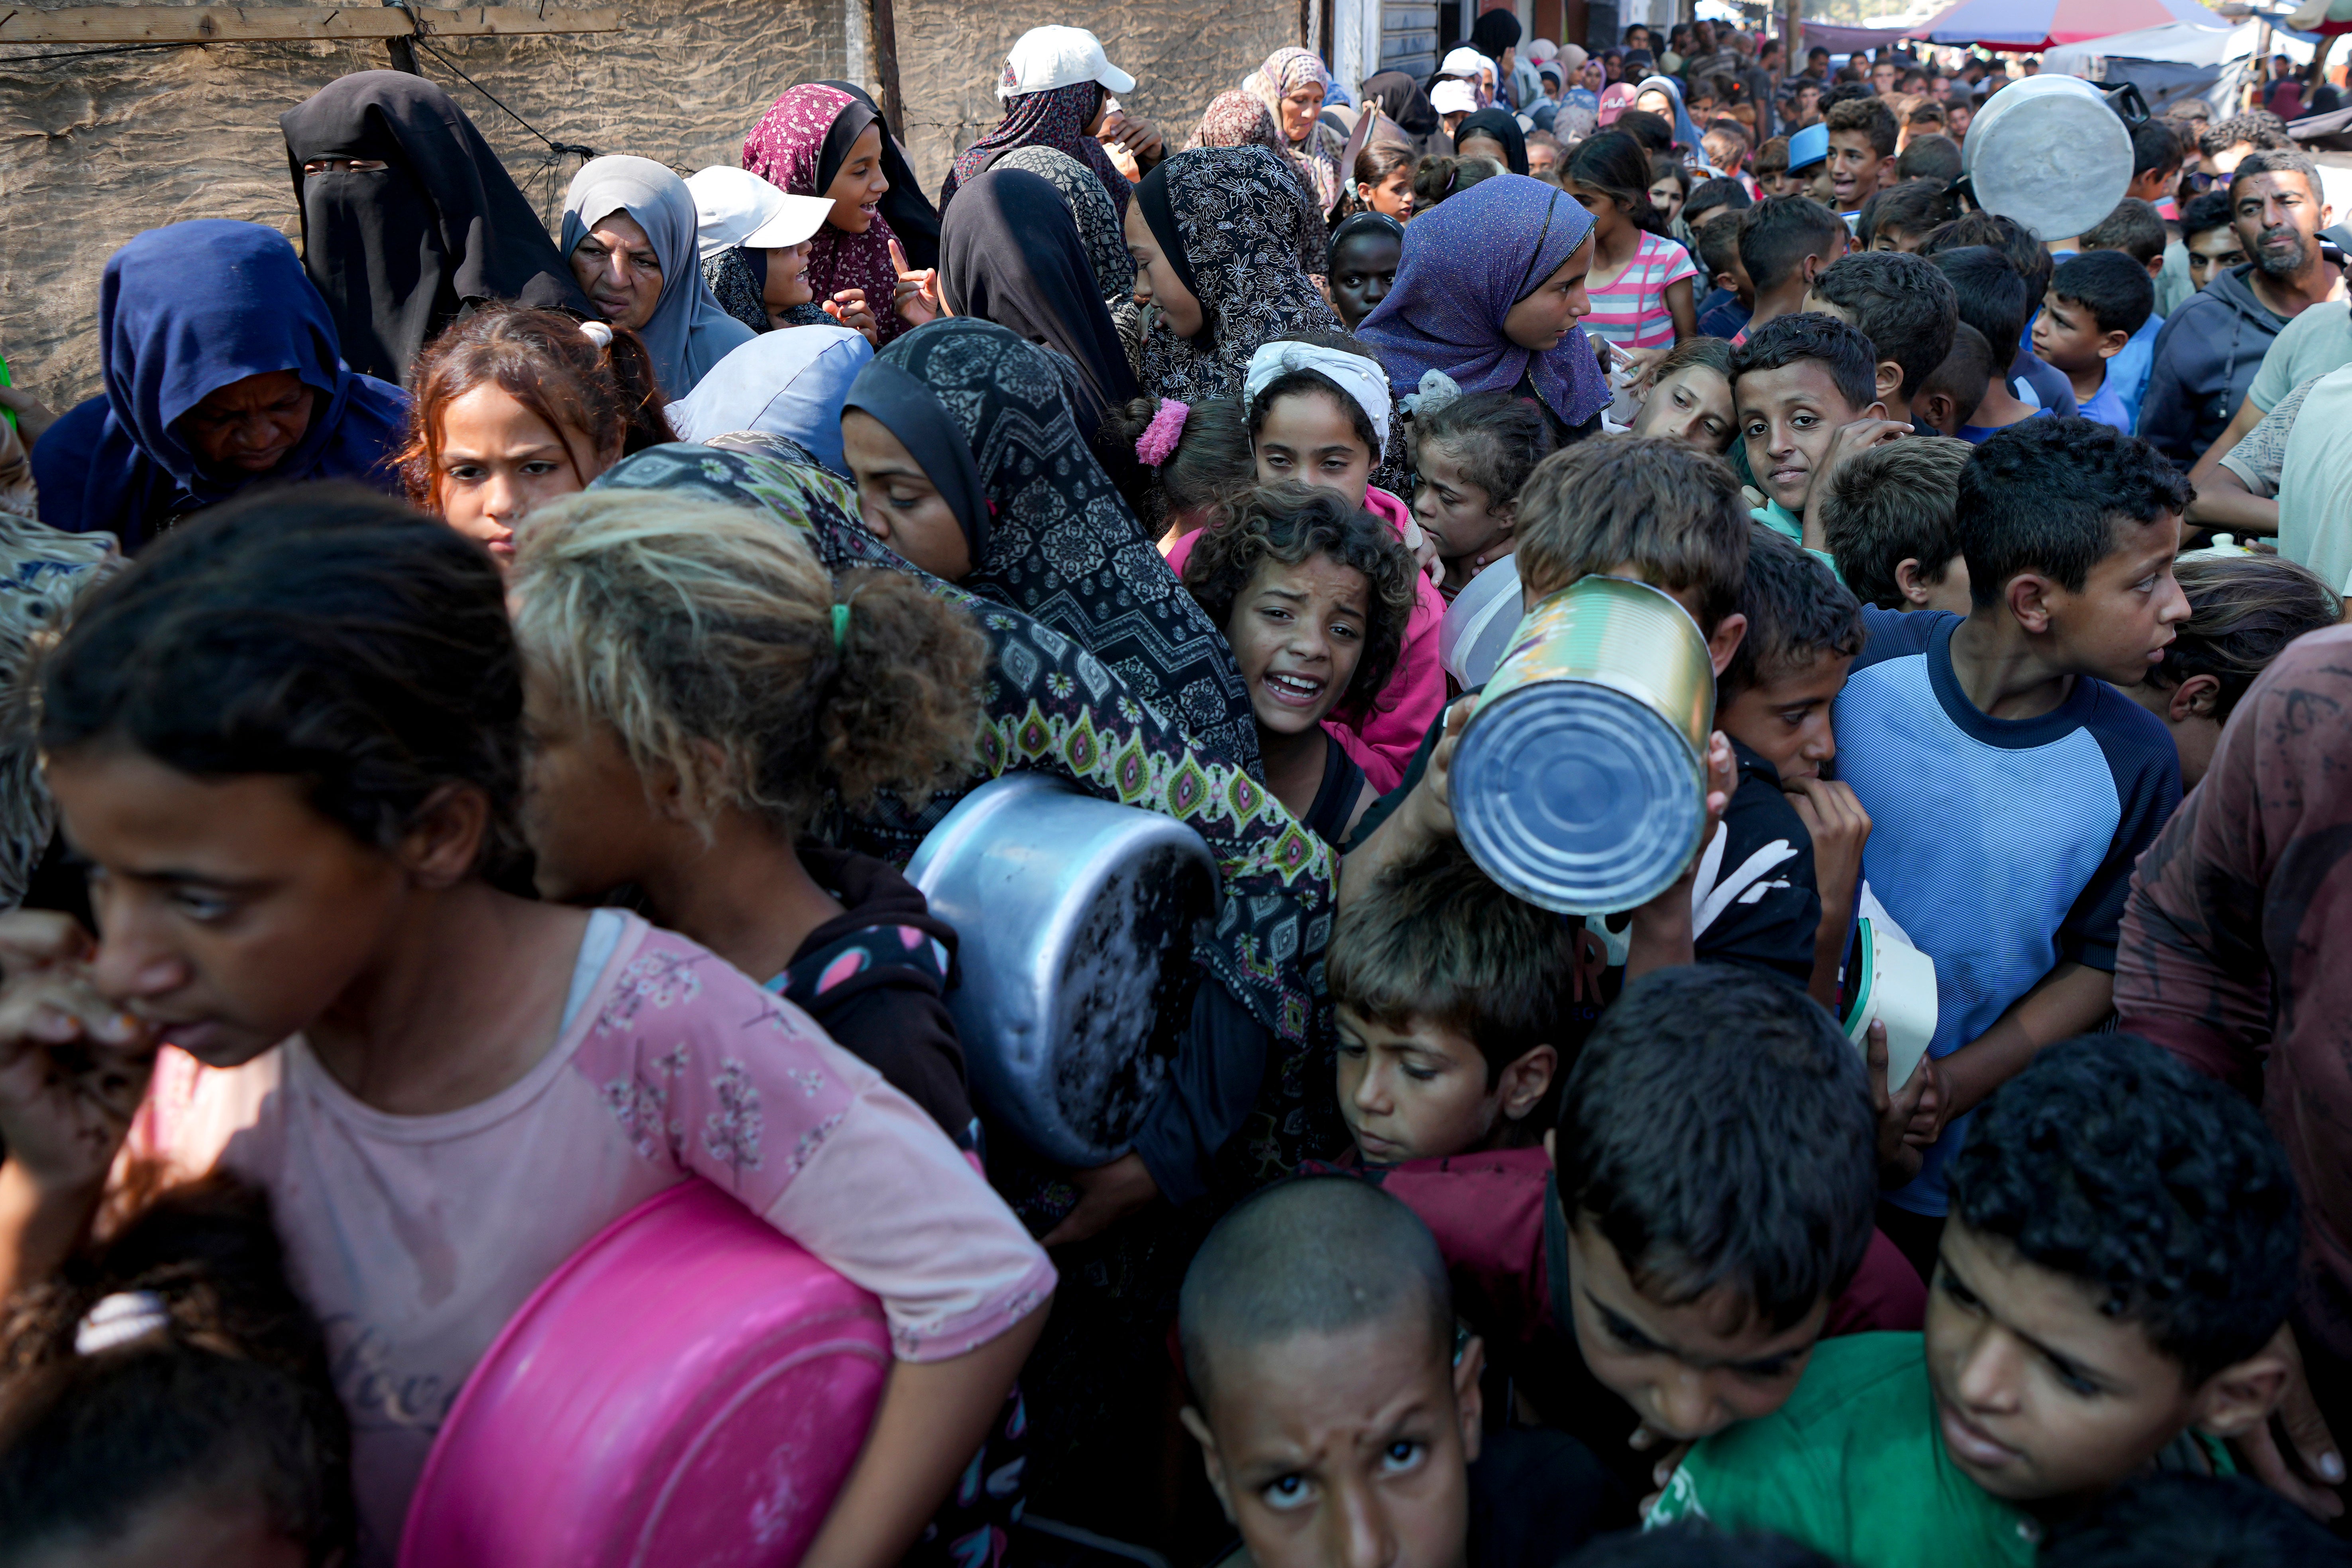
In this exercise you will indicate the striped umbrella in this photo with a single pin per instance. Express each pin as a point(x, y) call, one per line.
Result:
point(2030, 26)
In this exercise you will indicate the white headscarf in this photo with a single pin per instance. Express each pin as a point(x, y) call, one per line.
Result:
point(1363, 380)
point(689, 331)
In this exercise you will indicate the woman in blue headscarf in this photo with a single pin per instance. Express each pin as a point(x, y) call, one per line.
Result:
point(1646, 96)
point(223, 370)
point(1489, 296)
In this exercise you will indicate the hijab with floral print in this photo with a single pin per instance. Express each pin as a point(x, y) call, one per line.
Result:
point(799, 146)
point(1057, 118)
point(1285, 72)
point(1239, 222)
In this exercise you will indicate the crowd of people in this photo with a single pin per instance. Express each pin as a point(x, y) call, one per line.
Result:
point(475, 691)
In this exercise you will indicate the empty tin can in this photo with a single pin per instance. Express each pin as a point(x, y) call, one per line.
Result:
point(1579, 784)
point(1075, 920)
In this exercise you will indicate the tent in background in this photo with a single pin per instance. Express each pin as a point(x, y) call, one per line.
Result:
point(2176, 61)
point(2035, 25)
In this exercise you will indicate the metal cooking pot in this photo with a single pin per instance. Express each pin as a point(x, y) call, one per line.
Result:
point(2051, 151)
point(1579, 784)
point(1076, 920)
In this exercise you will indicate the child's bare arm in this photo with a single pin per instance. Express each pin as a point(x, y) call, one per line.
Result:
point(1840, 828)
point(2071, 999)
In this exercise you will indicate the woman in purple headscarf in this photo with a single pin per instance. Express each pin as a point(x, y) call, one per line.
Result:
point(1488, 295)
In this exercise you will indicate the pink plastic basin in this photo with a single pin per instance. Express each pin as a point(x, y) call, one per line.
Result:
point(689, 1387)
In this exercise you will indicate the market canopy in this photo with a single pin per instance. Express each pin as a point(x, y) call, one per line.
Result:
point(2032, 26)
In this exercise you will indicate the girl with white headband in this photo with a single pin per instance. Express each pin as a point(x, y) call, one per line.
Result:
point(1319, 411)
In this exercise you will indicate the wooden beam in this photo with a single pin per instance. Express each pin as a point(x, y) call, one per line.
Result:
point(262, 24)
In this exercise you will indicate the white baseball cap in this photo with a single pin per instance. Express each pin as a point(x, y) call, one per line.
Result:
point(1451, 97)
point(1048, 57)
point(737, 208)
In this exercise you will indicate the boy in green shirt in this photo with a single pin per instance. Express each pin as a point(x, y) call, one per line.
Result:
point(2120, 1260)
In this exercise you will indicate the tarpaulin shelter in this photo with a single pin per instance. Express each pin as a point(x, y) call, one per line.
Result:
point(2031, 26)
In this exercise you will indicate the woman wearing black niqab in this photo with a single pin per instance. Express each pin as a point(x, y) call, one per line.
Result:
point(409, 218)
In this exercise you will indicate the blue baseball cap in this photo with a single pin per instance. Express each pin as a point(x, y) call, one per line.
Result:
point(1809, 146)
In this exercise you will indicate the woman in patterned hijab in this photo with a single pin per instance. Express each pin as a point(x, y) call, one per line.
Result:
point(1230, 223)
point(1293, 84)
point(800, 145)
point(1237, 119)
point(1059, 117)
point(1090, 209)
point(987, 416)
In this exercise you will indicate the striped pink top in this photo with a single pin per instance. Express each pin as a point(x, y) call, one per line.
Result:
point(1631, 311)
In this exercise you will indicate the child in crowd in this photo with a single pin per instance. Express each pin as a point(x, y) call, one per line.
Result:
point(1804, 628)
point(1863, 133)
point(1641, 281)
point(1889, 519)
point(2034, 382)
point(1193, 460)
point(1314, 595)
point(1384, 179)
point(1726, 144)
point(1473, 454)
point(691, 702)
point(1797, 384)
point(1361, 264)
point(517, 408)
point(1709, 197)
point(1728, 308)
point(1770, 169)
point(1948, 399)
point(307, 708)
point(1336, 1403)
point(2242, 609)
point(1689, 399)
point(2171, 1519)
point(1448, 994)
point(1438, 177)
point(1657, 512)
point(1786, 243)
point(1934, 159)
point(1994, 302)
point(2122, 1252)
point(2209, 230)
point(1904, 305)
point(1670, 187)
point(166, 1399)
point(2098, 301)
point(1545, 152)
point(2136, 231)
point(1900, 217)
point(2010, 786)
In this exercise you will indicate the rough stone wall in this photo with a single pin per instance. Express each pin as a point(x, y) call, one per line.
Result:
point(97, 146)
point(1180, 56)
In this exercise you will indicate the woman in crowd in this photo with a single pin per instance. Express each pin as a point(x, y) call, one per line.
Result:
point(1293, 84)
point(822, 141)
point(629, 227)
point(223, 372)
point(516, 408)
point(409, 218)
point(1493, 133)
point(783, 383)
point(1008, 253)
point(1063, 118)
point(1489, 296)
point(1658, 95)
point(968, 465)
point(1406, 102)
point(1216, 235)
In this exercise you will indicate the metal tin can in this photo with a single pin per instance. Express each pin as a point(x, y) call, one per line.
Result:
point(1579, 784)
point(1075, 920)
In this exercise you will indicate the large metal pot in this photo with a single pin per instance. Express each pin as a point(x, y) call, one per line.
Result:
point(1076, 920)
point(1580, 783)
point(2052, 153)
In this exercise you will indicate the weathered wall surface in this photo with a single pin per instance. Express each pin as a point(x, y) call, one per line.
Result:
point(97, 146)
point(1180, 56)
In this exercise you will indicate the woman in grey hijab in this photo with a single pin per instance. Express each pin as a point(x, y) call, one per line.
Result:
point(629, 234)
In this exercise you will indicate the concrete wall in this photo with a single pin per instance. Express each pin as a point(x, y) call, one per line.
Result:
point(95, 147)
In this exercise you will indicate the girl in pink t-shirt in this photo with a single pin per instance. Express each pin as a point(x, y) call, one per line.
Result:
point(1640, 282)
point(288, 742)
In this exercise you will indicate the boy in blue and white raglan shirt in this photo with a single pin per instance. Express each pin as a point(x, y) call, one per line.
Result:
point(2010, 786)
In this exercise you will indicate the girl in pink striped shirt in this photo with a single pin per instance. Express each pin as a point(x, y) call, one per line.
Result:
point(1641, 284)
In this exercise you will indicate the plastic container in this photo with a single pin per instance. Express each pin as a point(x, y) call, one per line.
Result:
point(690, 1386)
point(1579, 784)
point(1075, 921)
point(2049, 152)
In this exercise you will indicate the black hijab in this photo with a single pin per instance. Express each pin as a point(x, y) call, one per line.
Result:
point(1498, 124)
point(909, 410)
point(1403, 100)
point(1494, 32)
point(401, 252)
point(908, 211)
point(1010, 253)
